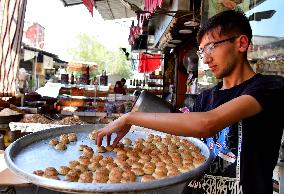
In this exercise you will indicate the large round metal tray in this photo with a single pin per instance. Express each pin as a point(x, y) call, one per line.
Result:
point(32, 152)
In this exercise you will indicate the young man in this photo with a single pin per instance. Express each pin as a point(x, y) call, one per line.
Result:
point(239, 119)
point(123, 82)
point(119, 89)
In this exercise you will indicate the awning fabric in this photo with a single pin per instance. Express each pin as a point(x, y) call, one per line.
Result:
point(151, 6)
point(12, 13)
point(149, 63)
point(90, 5)
point(134, 33)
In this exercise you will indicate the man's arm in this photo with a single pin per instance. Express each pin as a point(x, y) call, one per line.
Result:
point(195, 124)
point(198, 124)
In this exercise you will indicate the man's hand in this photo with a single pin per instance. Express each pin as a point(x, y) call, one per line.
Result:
point(119, 126)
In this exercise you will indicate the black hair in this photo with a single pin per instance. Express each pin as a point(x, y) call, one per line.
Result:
point(230, 22)
point(118, 83)
point(123, 80)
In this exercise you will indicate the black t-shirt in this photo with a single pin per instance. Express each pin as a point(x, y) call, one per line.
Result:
point(245, 152)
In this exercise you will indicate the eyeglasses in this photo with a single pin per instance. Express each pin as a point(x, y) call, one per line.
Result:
point(208, 49)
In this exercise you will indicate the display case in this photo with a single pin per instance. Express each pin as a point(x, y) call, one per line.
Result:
point(88, 100)
point(155, 83)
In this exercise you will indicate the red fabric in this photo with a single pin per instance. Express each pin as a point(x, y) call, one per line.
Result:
point(90, 5)
point(141, 18)
point(160, 3)
point(151, 5)
point(134, 33)
point(149, 63)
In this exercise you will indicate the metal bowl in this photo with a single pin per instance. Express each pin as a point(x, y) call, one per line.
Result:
point(32, 152)
point(148, 102)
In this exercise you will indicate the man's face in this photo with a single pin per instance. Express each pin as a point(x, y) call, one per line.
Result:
point(219, 52)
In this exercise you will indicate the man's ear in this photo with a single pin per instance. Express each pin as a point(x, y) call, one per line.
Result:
point(244, 43)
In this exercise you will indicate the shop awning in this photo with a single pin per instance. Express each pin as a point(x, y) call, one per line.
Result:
point(110, 9)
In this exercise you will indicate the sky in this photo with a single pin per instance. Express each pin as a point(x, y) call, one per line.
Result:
point(269, 27)
point(63, 23)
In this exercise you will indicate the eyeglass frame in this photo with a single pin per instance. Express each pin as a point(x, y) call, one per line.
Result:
point(209, 47)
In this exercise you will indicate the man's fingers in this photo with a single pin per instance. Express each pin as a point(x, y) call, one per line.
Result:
point(100, 136)
point(116, 140)
point(108, 139)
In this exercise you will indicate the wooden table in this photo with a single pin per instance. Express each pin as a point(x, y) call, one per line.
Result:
point(7, 178)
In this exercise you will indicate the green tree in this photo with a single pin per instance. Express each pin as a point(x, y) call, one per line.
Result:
point(119, 65)
point(89, 49)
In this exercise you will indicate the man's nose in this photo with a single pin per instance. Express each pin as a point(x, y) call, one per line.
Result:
point(207, 58)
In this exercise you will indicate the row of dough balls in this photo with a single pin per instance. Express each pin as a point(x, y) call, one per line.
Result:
point(167, 143)
point(171, 148)
point(64, 139)
point(99, 169)
point(169, 157)
point(93, 169)
point(102, 175)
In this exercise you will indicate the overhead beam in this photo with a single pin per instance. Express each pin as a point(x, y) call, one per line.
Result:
point(110, 10)
point(66, 4)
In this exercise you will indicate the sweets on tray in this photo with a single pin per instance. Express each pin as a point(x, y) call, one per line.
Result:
point(37, 118)
point(152, 158)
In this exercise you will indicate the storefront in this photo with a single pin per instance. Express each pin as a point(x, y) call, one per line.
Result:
point(170, 30)
point(164, 41)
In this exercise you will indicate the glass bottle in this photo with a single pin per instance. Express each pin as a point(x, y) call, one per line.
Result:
point(72, 78)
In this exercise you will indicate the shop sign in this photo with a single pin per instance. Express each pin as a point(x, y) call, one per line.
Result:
point(28, 55)
point(35, 35)
point(47, 62)
point(39, 69)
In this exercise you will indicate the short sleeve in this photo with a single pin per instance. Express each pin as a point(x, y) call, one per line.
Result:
point(201, 100)
point(197, 104)
point(268, 91)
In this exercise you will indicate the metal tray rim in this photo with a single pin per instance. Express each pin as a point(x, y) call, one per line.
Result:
point(99, 187)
